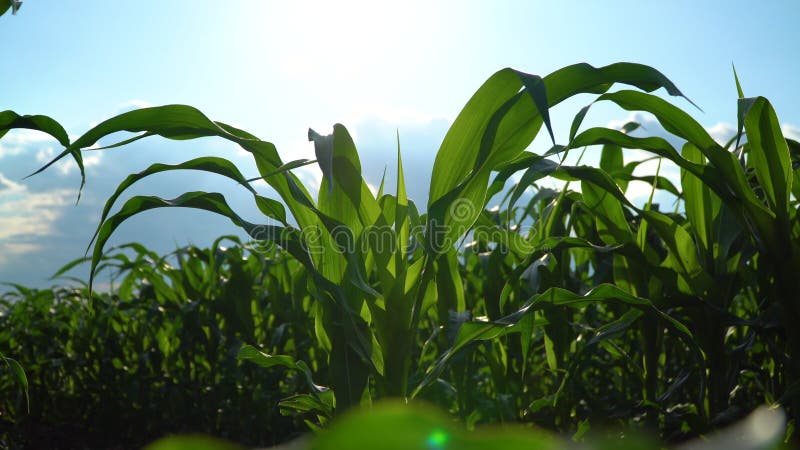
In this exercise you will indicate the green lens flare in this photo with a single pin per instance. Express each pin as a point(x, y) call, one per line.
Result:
point(437, 439)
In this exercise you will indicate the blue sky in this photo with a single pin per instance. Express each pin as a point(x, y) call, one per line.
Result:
point(277, 68)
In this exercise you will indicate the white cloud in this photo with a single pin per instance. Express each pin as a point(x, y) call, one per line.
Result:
point(134, 104)
point(399, 116)
point(8, 186)
point(9, 251)
point(642, 118)
point(123, 107)
point(6, 150)
point(373, 189)
point(19, 141)
point(722, 132)
point(25, 214)
point(45, 154)
point(311, 177)
point(791, 131)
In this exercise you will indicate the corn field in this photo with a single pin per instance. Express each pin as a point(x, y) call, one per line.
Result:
point(510, 306)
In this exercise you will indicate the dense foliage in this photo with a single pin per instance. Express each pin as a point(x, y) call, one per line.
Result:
point(567, 308)
point(142, 361)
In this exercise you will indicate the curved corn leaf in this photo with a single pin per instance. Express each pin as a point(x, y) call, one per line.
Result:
point(291, 165)
point(254, 355)
point(213, 202)
point(618, 326)
point(657, 181)
point(123, 142)
point(177, 122)
point(10, 120)
point(19, 376)
point(220, 166)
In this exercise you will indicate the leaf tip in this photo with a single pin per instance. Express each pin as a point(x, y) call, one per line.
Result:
point(738, 84)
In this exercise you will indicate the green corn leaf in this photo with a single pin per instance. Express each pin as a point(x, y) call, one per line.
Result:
point(323, 148)
point(216, 165)
point(177, 122)
point(498, 123)
point(702, 205)
point(305, 403)
point(655, 145)
point(212, 202)
point(738, 85)
point(124, 142)
point(577, 121)
point(348, 198)
point(507, 239)
point(383, 182)
point(538, 169)
point(335, 245)
point(171, 121)
point(291, 165)
point(69, 266)
point(611, 161)
point(10, 120)
point(19, 376)
point(254, 355)
point(769, 156)
point(595, 176)
point(618, 326)
point(401, 221)
point(742, 105)
point(682, 248)
point(672, 118)
point(611, 222)
point(534, 85)
point(657, 181)
point(449, 284)
point(456, 156)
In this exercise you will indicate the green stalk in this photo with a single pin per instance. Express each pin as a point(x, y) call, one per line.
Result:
point(651, 329)
point(425, 277)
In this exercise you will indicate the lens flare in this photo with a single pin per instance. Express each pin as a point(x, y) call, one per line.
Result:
point(437, 439)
